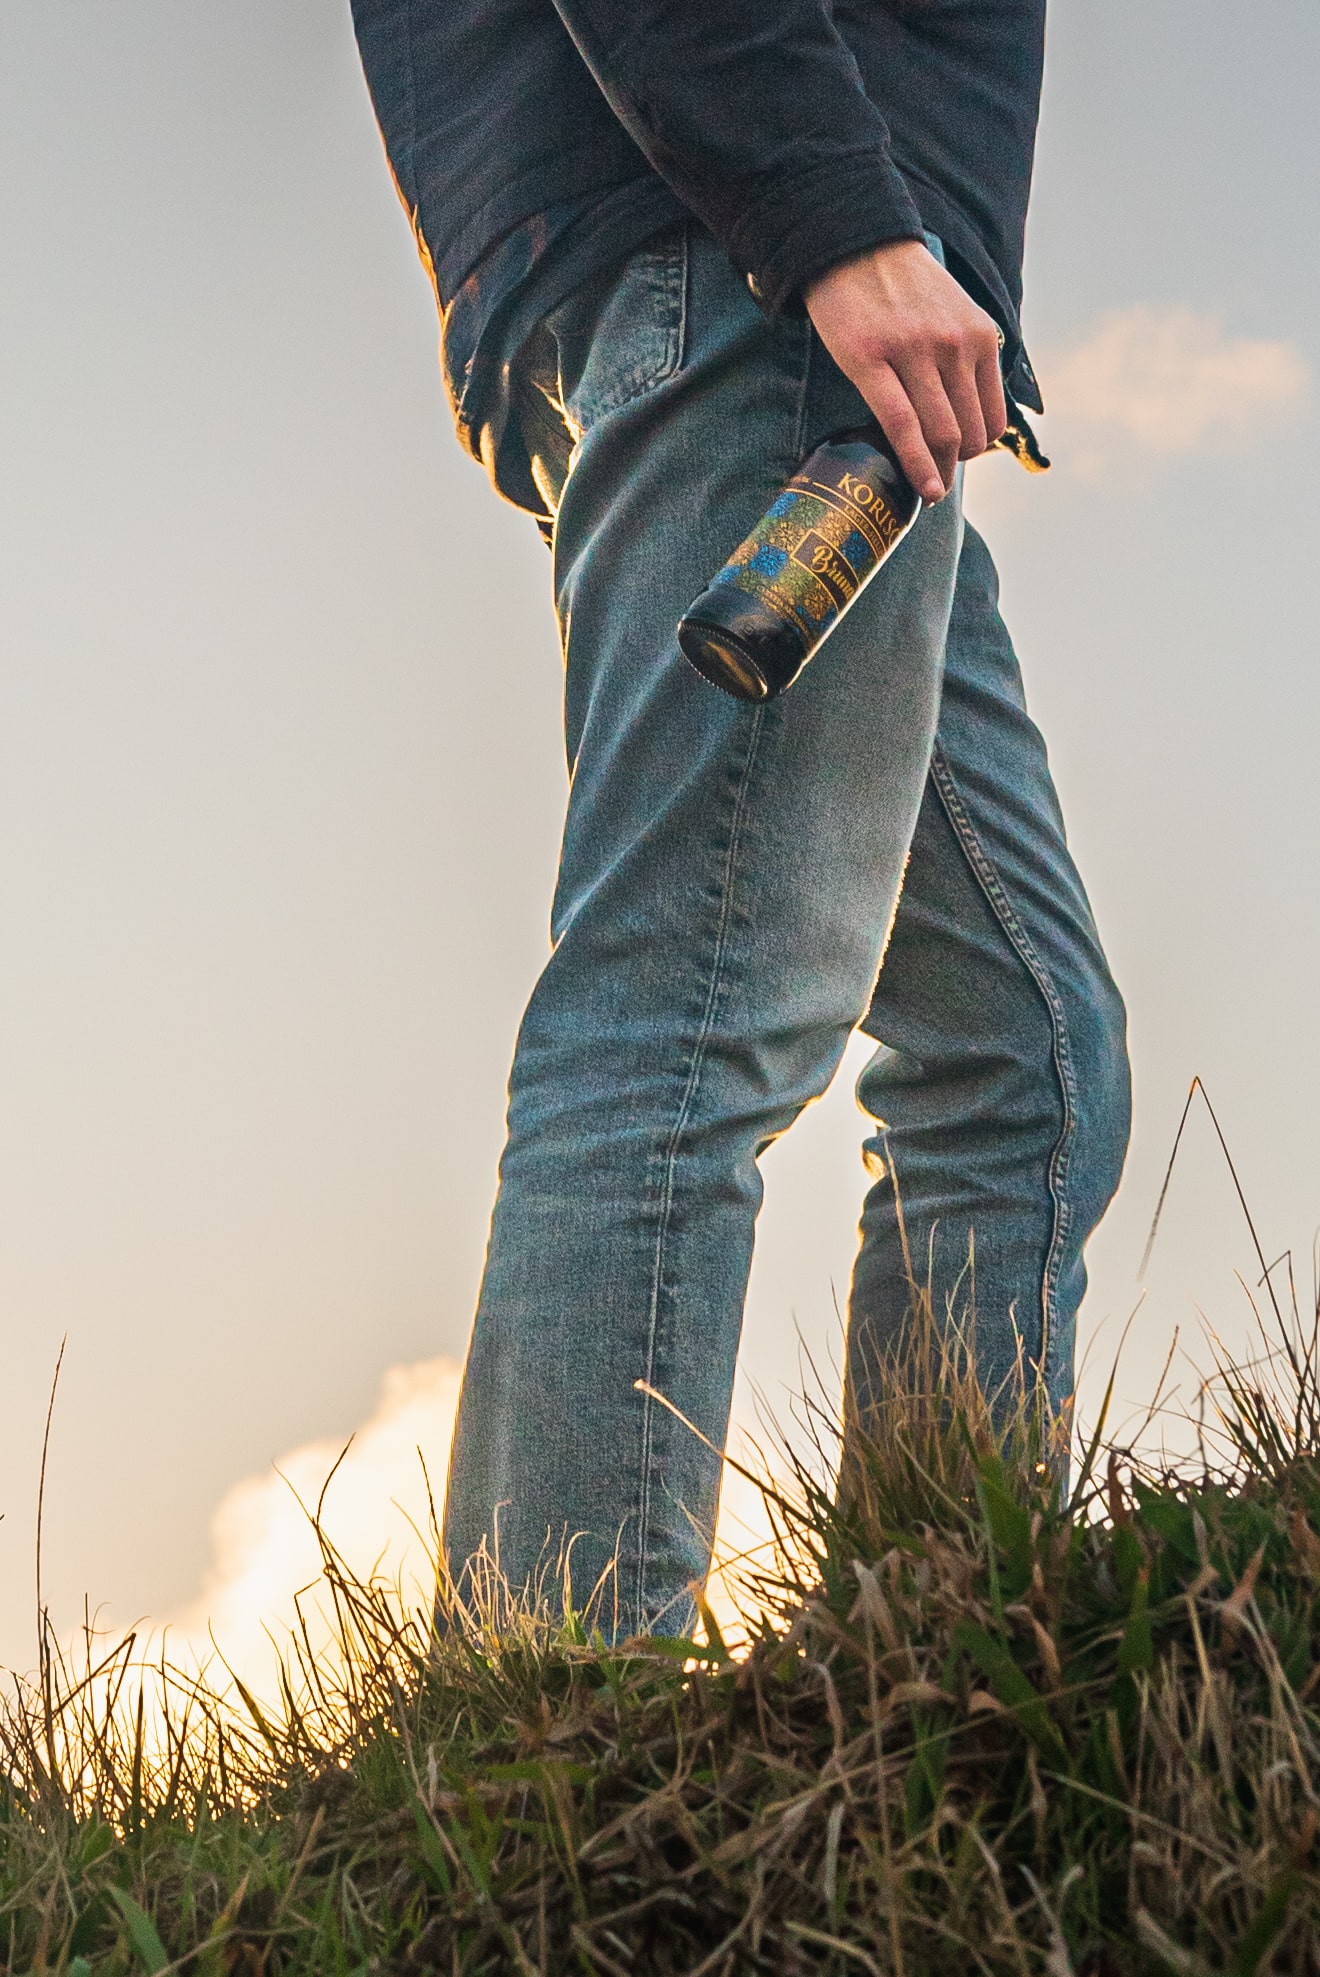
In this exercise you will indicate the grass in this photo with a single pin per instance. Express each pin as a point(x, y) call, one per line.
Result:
point(978, 1727)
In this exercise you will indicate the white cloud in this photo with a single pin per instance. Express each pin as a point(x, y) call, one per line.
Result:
point(376, 1512)
point(1150, 385)
point(1155, 384)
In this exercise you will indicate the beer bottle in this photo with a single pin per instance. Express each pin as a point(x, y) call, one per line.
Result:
point(785, 588)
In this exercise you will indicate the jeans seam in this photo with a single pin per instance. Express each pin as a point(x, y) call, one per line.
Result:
point(684, 1113)
point(804, 394)
point(684, 259)
point(996, 895)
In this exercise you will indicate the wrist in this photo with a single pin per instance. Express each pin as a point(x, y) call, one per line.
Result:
point(885, 261)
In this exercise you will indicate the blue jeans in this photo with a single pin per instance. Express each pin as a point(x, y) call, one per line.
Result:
point(731, 880)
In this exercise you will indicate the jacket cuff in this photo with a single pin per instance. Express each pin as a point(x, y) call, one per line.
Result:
point(817, 219)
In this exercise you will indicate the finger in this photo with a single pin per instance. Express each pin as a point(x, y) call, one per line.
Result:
point(963, 392)
point(886, 397)
point(939, 423)
point(990, 390)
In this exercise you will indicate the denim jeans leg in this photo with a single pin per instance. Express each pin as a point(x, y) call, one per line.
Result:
point(1001, 1086)
point(727, 883)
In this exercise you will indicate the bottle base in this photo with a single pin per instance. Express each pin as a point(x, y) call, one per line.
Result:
point(740, 646)
point(723, 660)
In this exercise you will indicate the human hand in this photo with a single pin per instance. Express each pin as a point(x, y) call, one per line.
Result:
point(923, 355)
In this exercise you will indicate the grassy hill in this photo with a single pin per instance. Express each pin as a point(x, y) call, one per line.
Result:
point(980, 1727)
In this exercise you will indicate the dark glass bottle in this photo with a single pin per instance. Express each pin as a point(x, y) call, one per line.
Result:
point(785, 588)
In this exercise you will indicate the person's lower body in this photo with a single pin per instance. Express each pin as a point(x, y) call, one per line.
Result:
point(731, 879)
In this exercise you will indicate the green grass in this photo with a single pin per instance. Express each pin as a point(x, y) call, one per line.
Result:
point(978, 1729)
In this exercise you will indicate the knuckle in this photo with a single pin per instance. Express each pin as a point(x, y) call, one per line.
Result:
point(899, 421)
point(883, 384)
point(881, 381)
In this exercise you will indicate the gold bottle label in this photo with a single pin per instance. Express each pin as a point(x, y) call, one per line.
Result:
point(817, 544)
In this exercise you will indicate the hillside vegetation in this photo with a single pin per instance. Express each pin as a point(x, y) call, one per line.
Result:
point(979, 1727)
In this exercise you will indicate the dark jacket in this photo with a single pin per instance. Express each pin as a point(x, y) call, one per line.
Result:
point(799, 131)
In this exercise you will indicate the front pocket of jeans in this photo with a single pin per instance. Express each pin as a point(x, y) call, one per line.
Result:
point(633, 339)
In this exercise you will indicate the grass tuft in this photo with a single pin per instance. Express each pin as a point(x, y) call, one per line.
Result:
point(981, 1722)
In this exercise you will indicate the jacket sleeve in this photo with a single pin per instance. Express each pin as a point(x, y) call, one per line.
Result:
point(755, 113)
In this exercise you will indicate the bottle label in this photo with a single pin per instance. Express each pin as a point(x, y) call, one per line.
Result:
point(815, 547)
point(829, 565)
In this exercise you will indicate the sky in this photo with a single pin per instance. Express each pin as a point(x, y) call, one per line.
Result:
point(281, 776)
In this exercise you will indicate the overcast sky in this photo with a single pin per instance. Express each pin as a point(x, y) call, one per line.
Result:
point(280, 771)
